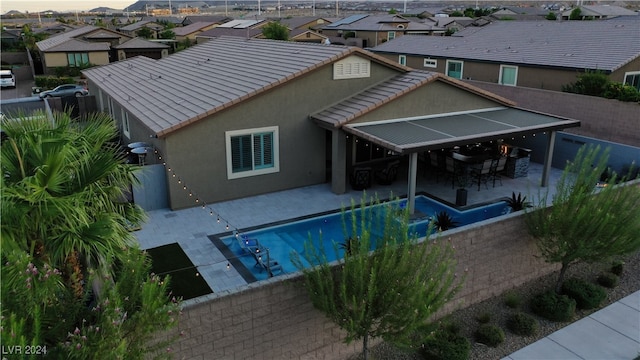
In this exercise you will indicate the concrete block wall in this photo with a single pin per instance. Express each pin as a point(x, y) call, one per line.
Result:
point(604, 119)
point(276, 320)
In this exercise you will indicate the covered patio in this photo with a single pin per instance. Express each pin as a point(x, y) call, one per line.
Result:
point(413, 138)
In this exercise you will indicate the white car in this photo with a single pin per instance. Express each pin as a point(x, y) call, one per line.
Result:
point(7, 79)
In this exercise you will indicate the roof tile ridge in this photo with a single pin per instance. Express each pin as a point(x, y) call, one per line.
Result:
point(390, 98)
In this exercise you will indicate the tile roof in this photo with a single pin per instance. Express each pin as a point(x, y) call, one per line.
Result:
point(219, 31)
point(241, 24)
point(376, 96)
point(191, 28)
point(195, 83)
point(218, 19)
point(80, 45)
point(140, 24)
point(603, 10)
point(46, 44)
point(297, 21)
point(364, 22)
point(141, 43)
point(104, 34)
point(605, 45)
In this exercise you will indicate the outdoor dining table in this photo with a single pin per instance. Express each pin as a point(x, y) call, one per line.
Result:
point(466, 164)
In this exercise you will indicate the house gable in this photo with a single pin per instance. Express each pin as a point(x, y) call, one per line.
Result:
point(436, 97)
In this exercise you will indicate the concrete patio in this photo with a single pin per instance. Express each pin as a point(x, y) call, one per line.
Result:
point(190, 227)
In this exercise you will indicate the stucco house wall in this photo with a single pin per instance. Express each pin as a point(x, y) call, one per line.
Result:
point(436, 98)
point(197, 152)
point(534, 77)
point(60, 58)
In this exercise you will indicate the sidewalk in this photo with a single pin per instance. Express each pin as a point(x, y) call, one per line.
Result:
point(609, 334)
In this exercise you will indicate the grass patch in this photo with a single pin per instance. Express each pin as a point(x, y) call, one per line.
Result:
point(171, 260)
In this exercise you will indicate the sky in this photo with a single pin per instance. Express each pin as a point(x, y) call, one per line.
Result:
point(60, 5)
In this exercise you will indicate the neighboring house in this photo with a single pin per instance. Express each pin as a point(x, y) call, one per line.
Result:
point(302, 35)
point(188, 20)
point(76, 48)
point(190, 31)
point(132, 29)
point(374, 30)
point(538, 54)
point(10, 37)
point(520, 13)
point(142, 47)
point(52, 29)
point(248, 29)
point(236, 117)
point(597, 12)
point(453, 24)
point(304, 22)
point(424, 13)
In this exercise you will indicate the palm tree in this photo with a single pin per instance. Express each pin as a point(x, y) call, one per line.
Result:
point(63, 193)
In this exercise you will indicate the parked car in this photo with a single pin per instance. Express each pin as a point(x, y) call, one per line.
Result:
point(7, 78)
point(65, 90)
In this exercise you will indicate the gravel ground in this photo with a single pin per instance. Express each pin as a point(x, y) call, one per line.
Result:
point(466, 318)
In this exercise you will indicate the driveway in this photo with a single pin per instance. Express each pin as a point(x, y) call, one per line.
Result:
point(24, 82)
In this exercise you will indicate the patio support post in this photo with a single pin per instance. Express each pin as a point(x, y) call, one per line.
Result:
point(411, 193)
point(548, 156)
point(338, 162)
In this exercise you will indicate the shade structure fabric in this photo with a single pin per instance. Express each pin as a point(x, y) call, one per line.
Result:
point(417, 134)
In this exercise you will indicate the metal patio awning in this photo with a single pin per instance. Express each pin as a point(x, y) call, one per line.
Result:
point(411, 135)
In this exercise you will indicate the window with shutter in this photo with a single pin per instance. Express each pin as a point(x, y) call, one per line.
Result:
point(252, 152)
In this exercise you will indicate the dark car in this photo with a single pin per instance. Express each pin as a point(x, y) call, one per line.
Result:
point(65, 90)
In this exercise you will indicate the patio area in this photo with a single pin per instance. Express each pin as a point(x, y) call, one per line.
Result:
point(190, 227)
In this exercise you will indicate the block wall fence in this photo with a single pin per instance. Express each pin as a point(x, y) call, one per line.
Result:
point(275, 319)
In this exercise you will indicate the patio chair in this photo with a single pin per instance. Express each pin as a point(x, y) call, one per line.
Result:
point(455, 171)
point(496, 173)
point(483, 172)
point(389, 174)
point(360, 178)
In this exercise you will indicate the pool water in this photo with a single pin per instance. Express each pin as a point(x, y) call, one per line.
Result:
point(282, 240)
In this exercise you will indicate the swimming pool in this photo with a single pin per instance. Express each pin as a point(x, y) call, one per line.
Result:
point(251, 251)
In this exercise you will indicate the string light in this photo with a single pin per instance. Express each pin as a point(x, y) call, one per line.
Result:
point(192, 194)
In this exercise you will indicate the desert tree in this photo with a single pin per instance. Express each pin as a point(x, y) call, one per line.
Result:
point(586, 222)
point(385, 283)
point(145, 32)
point(275, 31)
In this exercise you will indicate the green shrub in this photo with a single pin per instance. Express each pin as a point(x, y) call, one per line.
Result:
point(483, 318)
point(617, 267)
point(522, 324)
point(622, 92)
point(512, 300)
point(608, 280)
point(586, 294)
point(49, 82)
point(554, 307)
point(490, 335)
point(446, 345)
